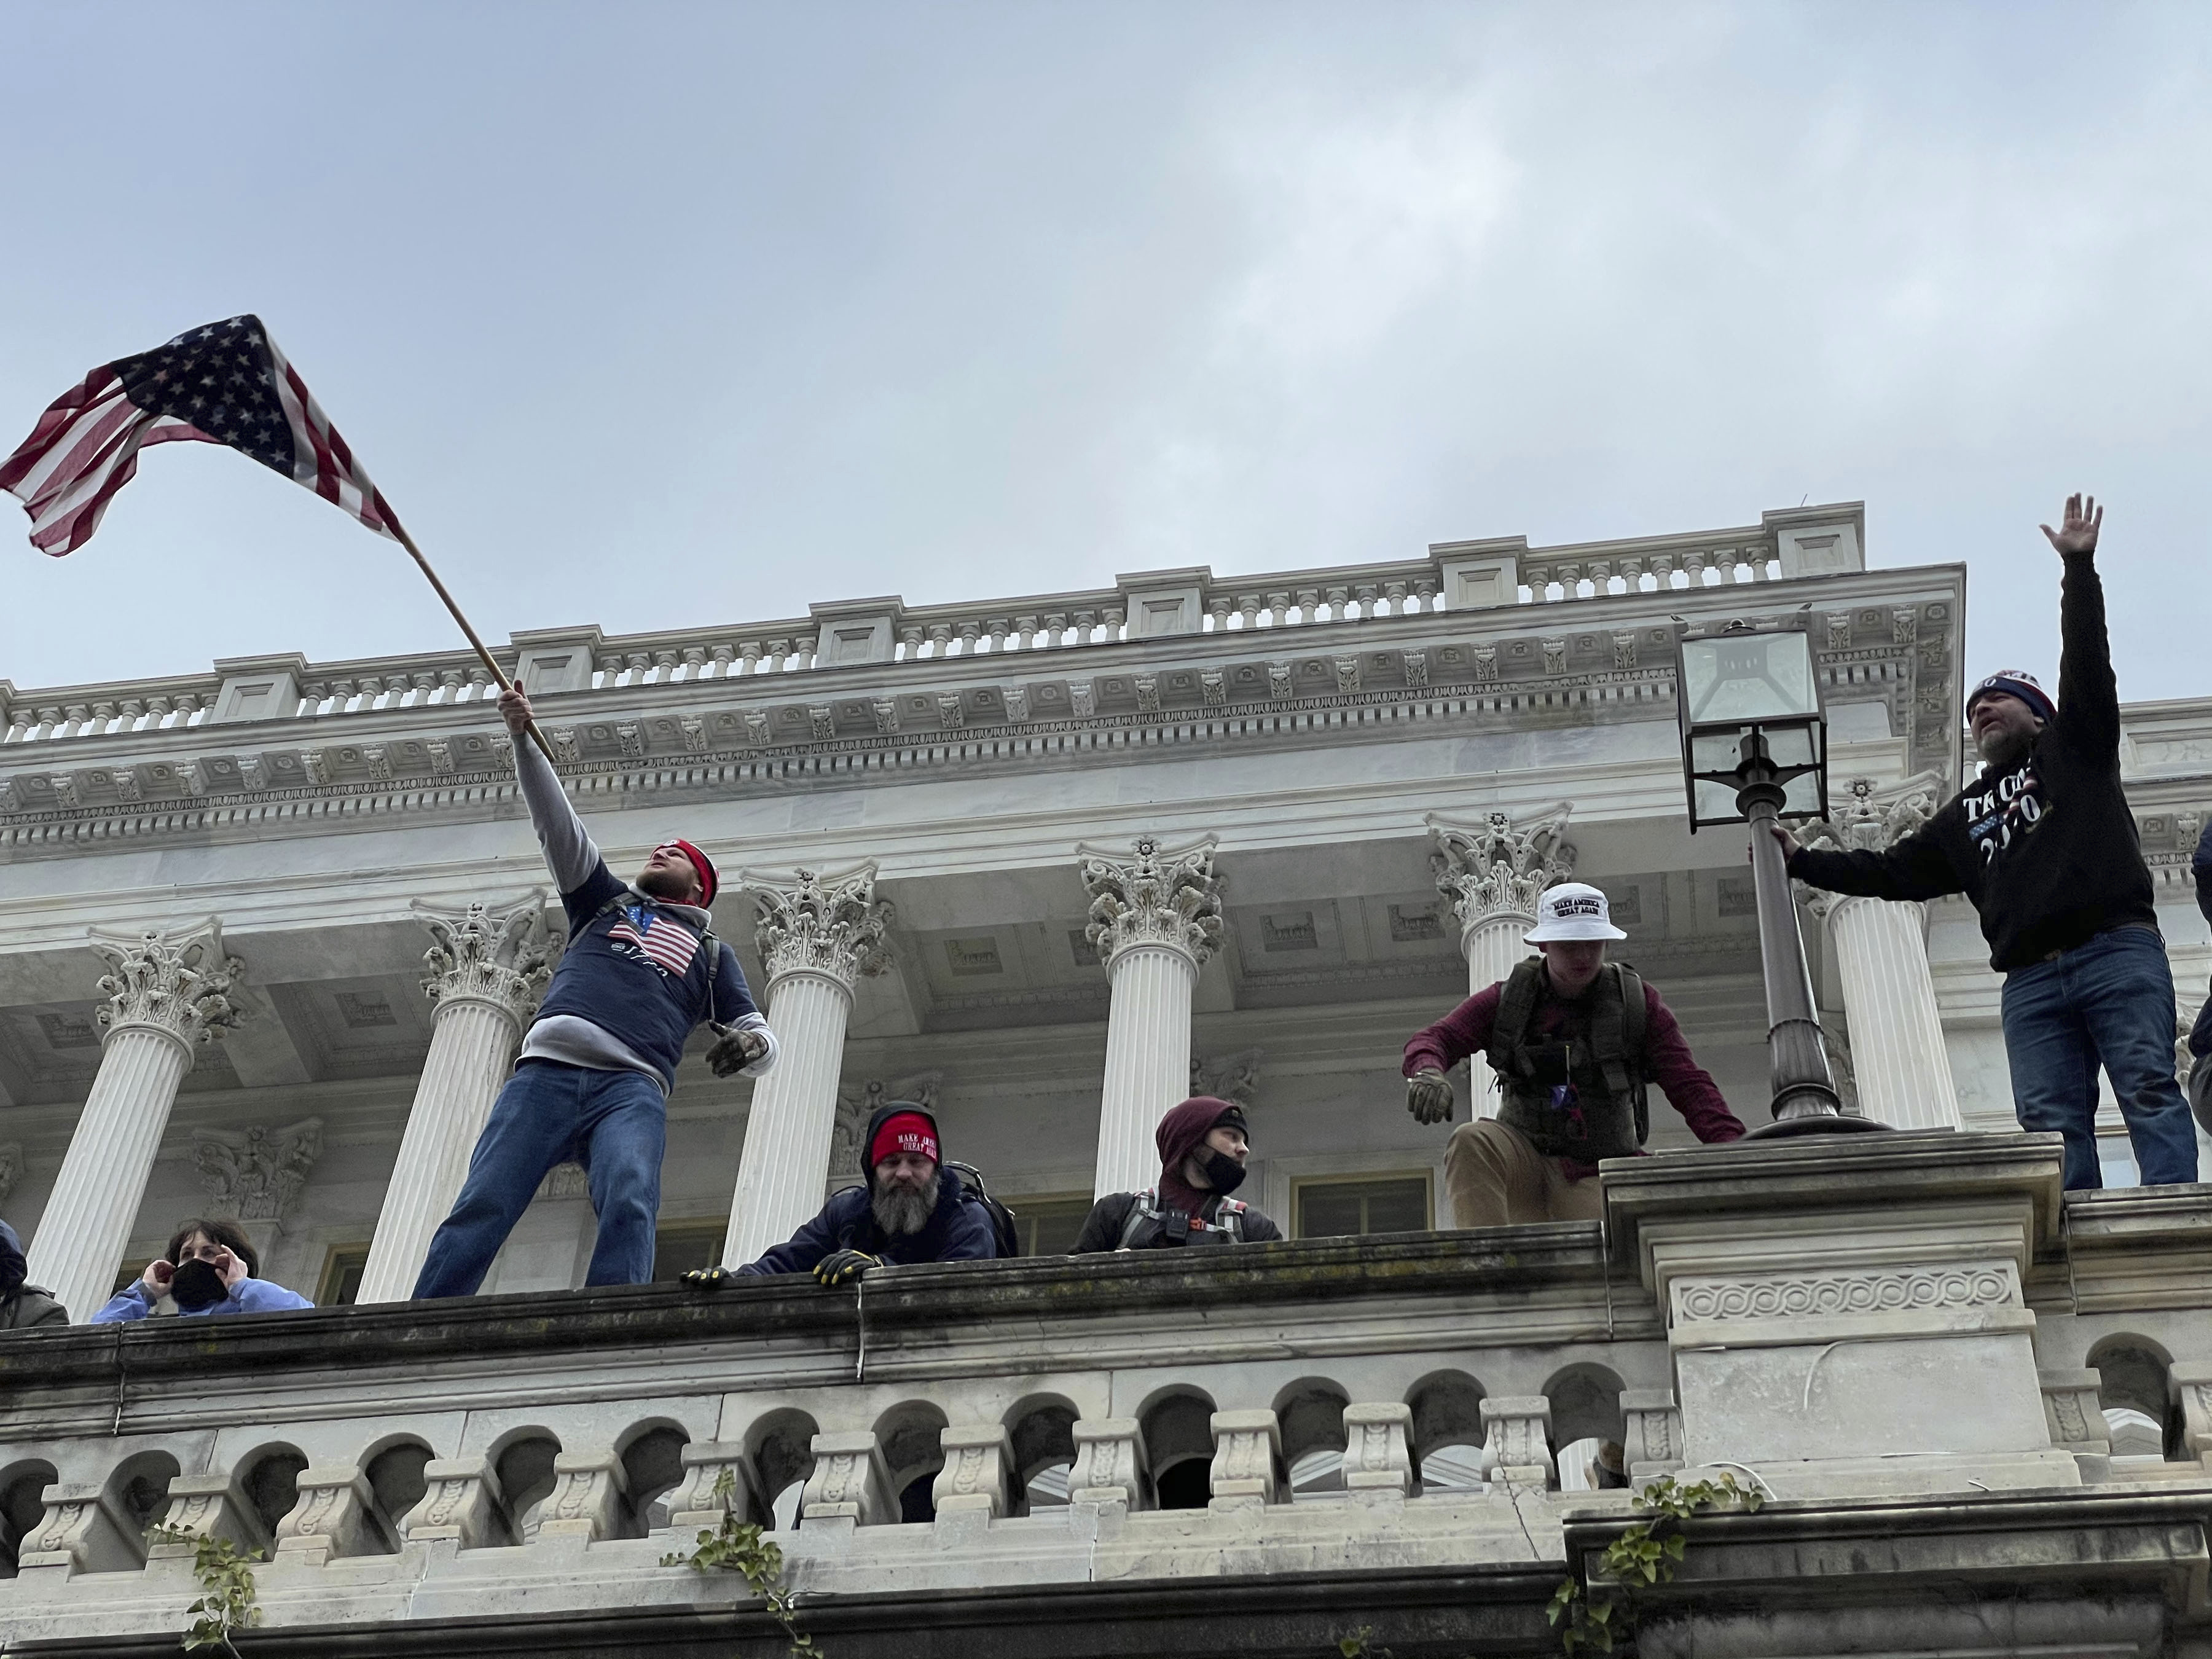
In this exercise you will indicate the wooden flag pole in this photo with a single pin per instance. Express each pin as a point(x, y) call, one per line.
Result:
point(505, 685)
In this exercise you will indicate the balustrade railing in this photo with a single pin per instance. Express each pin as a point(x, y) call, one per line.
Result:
point(1048, 624)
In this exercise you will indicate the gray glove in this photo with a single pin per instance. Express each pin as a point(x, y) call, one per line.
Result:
point(735, 1050)
point(1429, 1096)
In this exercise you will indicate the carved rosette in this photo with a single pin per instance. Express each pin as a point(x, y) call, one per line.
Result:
point(503, 957)
point(1157, 897)
point(1872, 821)
point(831, 926)
point(178, 984)
point(1499, 868)
point(256, 1174)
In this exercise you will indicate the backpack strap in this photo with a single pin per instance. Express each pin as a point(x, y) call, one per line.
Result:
point(1228, 1215)
point(1516, 1006)
point(1635, 1028)
point(1146, 1208)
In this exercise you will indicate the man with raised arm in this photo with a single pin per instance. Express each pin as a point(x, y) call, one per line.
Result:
point(641, 969)
point(2045, 845)
point(1575, 1040)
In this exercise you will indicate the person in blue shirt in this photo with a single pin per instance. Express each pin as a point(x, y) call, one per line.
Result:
point(642, 970)
point(209, 1269)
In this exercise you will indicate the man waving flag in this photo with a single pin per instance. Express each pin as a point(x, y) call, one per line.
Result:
point(224, 384)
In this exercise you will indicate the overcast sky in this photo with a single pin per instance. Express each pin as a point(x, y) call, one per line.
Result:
point(646, 315)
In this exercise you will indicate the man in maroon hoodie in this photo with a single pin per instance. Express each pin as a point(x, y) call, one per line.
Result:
point(1203, 1144)
point(1574, 1041)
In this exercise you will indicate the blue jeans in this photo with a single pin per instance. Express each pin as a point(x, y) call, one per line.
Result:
point(2108, 1000)
point(614, 1123)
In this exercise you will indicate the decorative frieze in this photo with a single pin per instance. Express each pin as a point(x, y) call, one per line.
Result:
point(256, 1174)
point(1815, 1296)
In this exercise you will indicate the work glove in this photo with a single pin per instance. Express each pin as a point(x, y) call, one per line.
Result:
point(708, 1279)
point(1428, 1095)
point(735, 1050)
point(841, 1266)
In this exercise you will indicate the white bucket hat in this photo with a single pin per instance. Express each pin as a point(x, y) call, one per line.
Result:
point(1573, 909)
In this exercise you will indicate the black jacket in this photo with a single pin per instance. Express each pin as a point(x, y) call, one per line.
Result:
point(1109, 1217)
point(23, 1306)
point(958, 1229)
point(2047, 849)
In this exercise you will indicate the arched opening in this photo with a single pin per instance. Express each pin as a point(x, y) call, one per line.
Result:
point(522, 1460)
point(1447, 1432)
point(2136, 1394)
point(910, 1434)
point(1041, 1429)
point(1178, 1430)
point(652, 1464)
point(1310, 1414)
point(269, 1481)
point(781, 1447)
point(394, 1470)
point(22, 1507)
point(137, 1491)
point(1587, 1427)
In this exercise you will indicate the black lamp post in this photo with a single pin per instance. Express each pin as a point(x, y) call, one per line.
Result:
point(1755, 749)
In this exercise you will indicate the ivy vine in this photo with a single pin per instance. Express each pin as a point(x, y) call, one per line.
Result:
point(1644, 1555)
point(227, 1597)
point(742, 1548)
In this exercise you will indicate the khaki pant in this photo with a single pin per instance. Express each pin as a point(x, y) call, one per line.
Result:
point(1498, 1180)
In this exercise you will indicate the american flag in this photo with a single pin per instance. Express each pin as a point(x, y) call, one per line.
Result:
point(668, 944)
point(224, 384)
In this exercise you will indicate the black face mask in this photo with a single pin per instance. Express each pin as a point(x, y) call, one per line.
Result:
point(198, 1286)
point(1223, 1172)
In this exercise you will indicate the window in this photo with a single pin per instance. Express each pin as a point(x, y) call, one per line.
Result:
point(1049, 1222)
point(679, 1247)
point(341, 1280)
point(1376, 1204)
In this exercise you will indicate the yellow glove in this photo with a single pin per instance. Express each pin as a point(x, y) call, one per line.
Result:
point(840, 1266)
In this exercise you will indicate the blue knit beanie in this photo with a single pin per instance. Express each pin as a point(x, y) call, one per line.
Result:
point(2015, 683)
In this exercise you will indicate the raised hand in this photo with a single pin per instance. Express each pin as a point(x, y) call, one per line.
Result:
point(514, 709)
point(156, 1278)
point(2077, 533)
point(232, 1268)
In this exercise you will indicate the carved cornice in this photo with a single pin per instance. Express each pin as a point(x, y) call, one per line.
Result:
point(501, 958)
point(1154, 897)
point(256, 1174)
point(178, 984)
point(1498, 868)
point(831, 926)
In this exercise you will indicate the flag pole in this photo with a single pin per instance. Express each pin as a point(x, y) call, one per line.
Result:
point(497, 674)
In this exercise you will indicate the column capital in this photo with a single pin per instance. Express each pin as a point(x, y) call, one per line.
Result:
point(831, 926)
point(178, 984)
point(1153, 895)
point(1870, 819)
point(256, 1173)
point(1497, 866)
point(501, 957)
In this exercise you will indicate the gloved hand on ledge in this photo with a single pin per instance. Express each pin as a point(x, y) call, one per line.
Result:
point(841, 1266)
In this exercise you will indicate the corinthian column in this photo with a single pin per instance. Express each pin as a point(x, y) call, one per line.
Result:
point(167, 995)
point(1154, 920)
point(1898, 1053)
point(485, 972)
point(817, 935)
point(1493, 872)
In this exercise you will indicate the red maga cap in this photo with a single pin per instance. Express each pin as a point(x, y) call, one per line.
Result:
point(904, 1132)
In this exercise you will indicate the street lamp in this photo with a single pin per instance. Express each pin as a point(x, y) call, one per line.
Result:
point(1755, 749)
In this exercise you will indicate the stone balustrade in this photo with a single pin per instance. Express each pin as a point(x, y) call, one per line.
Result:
point(1383, 1412)
point(1455, 576)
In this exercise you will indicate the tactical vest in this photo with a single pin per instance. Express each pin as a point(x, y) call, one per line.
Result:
point(1607, 1116)
point(1148, 1222)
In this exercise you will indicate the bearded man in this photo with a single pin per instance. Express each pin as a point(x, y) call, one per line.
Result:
point(2044, 845)
point(909, 1208)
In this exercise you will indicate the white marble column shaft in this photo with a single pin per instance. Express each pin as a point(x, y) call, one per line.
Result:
point(166, 995)
point(485, 972)
point(1899, 1058)
point(1898, 1053)
point(1155, 918)
point(817, 935)
point(1147, 1061)
point(1492, 874)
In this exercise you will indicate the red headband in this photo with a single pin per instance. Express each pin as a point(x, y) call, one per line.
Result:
point(904, 1132)
point(710, 883)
